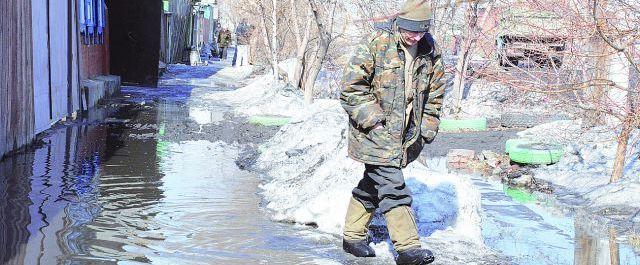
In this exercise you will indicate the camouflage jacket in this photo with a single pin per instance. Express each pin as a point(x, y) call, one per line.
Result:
point(374, 91)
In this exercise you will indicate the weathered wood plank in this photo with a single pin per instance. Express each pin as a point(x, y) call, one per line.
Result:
point(16, 83)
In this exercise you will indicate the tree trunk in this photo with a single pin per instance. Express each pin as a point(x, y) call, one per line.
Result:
point(274, 38)
point(621, 151)
point(312, 75)
point(463, 57)
point(628, 125)
point(301, 41)
point(597, 92)
point(459, 78)
point(300, 55)
point(324, 39)
point(270, 36)
point(614, 249)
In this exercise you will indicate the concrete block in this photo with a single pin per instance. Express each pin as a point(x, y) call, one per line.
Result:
point(113, 83)
point(92, 92)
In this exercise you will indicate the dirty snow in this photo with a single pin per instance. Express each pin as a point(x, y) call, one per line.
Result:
point(236, 73)
point(310, 177)
point(482, 98)
point(588, 163)
point(479, 100)
point(263, 96)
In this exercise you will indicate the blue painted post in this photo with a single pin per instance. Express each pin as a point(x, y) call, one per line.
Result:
point(90, 16)
point(83, 21)
point(100, 20)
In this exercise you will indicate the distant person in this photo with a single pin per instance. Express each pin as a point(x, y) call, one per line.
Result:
point(224, 40)
point(392, 91)
point(243, 35)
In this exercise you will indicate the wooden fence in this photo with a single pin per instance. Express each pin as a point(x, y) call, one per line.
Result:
point(181, 28)
point(16, 75)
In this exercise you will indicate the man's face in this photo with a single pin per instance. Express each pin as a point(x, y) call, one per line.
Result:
point(411, 37)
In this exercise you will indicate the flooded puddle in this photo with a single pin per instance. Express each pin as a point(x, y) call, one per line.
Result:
point(533, 232)
point(151, 184)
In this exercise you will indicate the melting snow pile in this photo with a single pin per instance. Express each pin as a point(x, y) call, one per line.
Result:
point(310, 177)
point(264, 96)
point(588, 163)
point(480, 100)
point(235, 73)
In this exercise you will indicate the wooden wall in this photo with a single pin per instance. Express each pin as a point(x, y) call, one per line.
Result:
point(40, 25)
point(16, 72)
point(180, 30)
point(55, 61)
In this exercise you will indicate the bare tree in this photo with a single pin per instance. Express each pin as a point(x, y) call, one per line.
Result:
point(471, 34)
point(301, 36)
point(578, 76)
point(324, 13)
point(269, 18)
point(614, 30)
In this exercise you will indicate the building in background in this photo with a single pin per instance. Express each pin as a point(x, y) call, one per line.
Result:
point(203, 31)
point(58, 57)
point(175, 31)
point(186, 28)
point(134, 38)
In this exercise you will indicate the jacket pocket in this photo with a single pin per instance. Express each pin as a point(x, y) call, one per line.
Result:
point(385, 86)
point(379, 138)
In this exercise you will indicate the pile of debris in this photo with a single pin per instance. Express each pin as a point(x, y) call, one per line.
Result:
point(496, 166)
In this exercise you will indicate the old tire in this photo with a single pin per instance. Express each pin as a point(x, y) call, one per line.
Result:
point(448, 125)
point(513, 143)
point(269, 120)
point(519, 195)
point(535, 153)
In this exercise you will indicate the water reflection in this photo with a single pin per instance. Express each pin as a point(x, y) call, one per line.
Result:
point(593, 248)
point(533, 232)
point(14, 208)
point(65, 200)
point(140, 187)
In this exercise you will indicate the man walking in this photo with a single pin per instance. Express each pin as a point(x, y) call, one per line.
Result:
point(392, 92)
point(243, 34)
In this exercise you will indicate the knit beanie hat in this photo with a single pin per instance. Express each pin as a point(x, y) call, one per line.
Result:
point(415, 16)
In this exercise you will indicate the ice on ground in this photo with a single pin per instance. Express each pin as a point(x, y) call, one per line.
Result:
point(310, 178)
point(588, 162)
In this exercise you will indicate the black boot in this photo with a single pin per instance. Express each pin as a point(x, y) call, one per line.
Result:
point(415, 256)
point(358, 248)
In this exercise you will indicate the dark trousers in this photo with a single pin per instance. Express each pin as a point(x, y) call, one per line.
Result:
point(382, 187)
point(223, 52)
